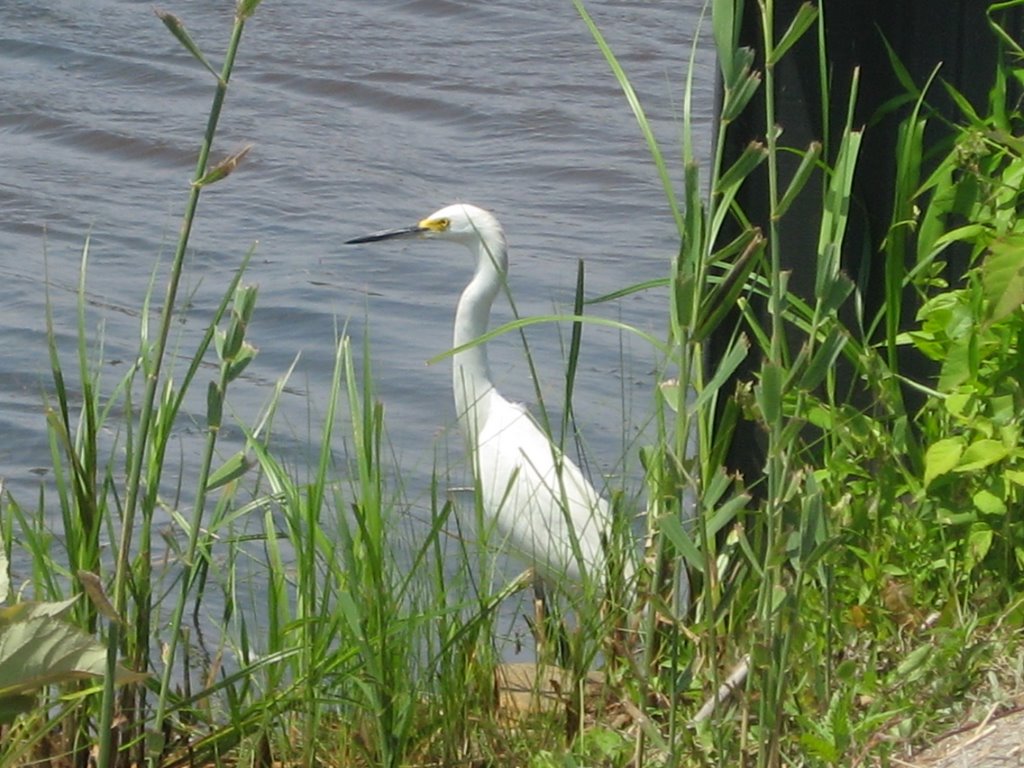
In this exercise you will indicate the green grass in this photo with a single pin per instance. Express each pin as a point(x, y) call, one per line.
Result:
point(869, 581)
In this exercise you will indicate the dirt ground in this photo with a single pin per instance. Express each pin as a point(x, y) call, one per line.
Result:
point(995, 742)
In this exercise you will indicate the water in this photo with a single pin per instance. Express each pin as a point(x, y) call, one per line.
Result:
point(363, 115)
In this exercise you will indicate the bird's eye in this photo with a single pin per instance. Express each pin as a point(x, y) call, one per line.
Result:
point(443, 224)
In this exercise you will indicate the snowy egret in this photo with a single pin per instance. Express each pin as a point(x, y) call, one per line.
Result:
point(542, 509)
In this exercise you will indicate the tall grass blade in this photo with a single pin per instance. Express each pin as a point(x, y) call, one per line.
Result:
point(638, 112)
point(177, 28)
point(801, 22)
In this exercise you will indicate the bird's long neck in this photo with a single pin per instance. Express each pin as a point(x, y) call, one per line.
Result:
point(471, 371)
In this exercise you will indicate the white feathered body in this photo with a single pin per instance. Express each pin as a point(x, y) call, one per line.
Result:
point(537, 503)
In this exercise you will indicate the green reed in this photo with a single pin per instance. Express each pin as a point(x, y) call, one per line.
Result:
point(763, 553)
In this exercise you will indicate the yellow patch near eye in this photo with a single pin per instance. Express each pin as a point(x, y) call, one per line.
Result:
point(435, 225)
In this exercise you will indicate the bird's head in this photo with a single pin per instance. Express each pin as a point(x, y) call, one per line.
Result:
point(458, 223)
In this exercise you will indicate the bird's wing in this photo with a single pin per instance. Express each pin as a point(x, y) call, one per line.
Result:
point(541, 505)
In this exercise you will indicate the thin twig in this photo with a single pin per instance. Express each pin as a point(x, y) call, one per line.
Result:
point(736, 678)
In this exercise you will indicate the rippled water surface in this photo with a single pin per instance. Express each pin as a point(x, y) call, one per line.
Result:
point(363, 115)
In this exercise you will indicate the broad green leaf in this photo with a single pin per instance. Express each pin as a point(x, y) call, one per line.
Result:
point(979, 542)
point(1004, 412)
point(31, 610)
point(988, 503)
point(941, 457)
point(1002, 277)
point(956, 367)
point(957, 402)
point(45, 650)
point(980, 454)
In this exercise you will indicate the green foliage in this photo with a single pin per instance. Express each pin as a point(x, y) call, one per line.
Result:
point(879, 539)
point(974, 462)
point(40, 647)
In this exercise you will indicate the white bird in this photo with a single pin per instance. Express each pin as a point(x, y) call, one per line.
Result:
point(541, 507)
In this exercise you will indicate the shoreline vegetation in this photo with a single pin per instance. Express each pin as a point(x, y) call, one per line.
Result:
point(858, 597)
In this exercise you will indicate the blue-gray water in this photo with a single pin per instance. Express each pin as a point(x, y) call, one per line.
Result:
point(363, 115)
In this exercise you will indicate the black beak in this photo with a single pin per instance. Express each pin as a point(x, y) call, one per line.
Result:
point(388, 234)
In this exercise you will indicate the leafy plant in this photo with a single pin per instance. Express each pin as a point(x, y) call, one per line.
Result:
point(974, 463)
point(39, 647)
